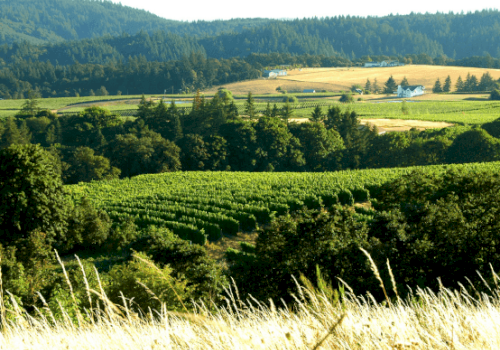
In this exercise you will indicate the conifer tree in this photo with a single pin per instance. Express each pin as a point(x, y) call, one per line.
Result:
point(174, 121)
point(459, 86)
point(368, 85)
point(11, 134)
point(317, 114)
point(404, 82)
point(268, 110)
point(286, 112)
point(250, 106)
point(275, 111)
point(145, 108)
point(375, 87)
point(437, 87)
point(447, 84)
point(390, 85)
point(232, 113)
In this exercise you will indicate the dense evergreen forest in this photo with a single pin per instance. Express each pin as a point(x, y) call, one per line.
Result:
point(44, 21)
point(454, 35)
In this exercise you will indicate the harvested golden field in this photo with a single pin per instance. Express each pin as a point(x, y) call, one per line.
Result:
point(268, 86)
point(338, 79)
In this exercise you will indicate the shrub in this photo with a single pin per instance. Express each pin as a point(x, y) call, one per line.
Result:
point(495, 95)
point(290, 99)
point(346, 98)
point(192, 261)
point(88, 227)
point(168, 290)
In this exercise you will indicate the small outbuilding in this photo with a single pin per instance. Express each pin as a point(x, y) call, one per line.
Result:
point(309, 91)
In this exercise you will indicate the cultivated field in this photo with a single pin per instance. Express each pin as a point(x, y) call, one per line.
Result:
point(202, 206)
point(337, 79)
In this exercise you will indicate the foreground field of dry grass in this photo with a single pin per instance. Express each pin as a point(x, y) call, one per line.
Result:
point(444, 320)
point(337, 79)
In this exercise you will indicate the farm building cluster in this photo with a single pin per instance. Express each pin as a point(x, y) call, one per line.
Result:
point(274, 73)
point(410, 91)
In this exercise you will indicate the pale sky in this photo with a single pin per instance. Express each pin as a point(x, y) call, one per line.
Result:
point(222, 9)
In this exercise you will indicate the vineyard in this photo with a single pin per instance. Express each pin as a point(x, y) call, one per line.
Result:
point(201, 206)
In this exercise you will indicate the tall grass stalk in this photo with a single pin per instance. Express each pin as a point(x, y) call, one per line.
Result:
point(446, 319)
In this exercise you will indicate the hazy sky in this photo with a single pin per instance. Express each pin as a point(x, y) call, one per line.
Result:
point(222, 9)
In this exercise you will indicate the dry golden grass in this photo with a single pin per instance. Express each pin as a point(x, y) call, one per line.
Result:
point(403, 125)
point(393, 124)
point(337, 79)
point(444, 320)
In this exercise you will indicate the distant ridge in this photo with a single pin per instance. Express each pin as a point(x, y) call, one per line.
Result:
point(52, 21)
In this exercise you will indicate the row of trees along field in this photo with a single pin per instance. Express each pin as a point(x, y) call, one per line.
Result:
point(137, 74)
point(97, 144)
point(470, 84)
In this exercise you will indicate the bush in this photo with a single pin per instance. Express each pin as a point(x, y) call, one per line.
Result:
point(346, 98)
point(474, 146)
point(168, 290)
point(225, 95)
point(290, 99)
point(190, 260)
point(88, 227)
point(495, 95)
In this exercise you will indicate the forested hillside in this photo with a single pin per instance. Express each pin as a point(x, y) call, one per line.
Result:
point(44, 21)
point(454, 35)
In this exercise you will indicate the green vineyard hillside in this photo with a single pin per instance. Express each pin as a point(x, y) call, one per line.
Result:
point(201, 206)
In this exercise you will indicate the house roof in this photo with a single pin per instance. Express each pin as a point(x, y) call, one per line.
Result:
point(412, 87)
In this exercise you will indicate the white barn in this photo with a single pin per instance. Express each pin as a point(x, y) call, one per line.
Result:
point(274, 73)
point(410, 91)
point(384, 64)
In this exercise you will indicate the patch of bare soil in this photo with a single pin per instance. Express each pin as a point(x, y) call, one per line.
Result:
point(403, 125)
point(392, 124)
point(217, 249)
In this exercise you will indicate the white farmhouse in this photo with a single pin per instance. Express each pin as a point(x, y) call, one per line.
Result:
point(410, 91)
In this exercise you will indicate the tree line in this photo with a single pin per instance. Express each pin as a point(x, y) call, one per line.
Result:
point(97, 144)
point(137, 75)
